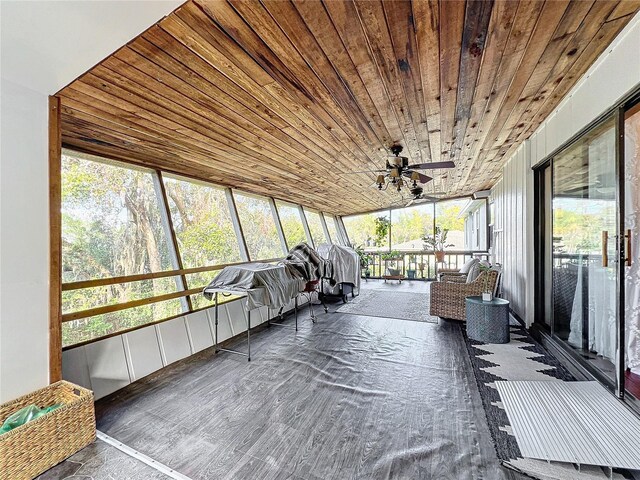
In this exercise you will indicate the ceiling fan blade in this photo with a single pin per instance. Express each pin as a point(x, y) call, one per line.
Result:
point(421, 199)
point(432, 165)
point(424, 178)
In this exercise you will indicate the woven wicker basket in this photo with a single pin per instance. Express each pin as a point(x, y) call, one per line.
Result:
point(36, 446)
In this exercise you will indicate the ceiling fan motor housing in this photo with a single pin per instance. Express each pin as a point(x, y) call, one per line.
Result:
point(416, 191)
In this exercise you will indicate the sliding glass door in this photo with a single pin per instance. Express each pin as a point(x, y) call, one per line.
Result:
point(632, 245)
point(583, 250)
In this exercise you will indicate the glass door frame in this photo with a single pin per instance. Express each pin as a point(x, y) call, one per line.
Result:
point(541, 210)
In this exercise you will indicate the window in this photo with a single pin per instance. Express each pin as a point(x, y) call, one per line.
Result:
point(115, 233)
point(368, 230)
point(91, 328)
point(448, 218)
point(332, 228)
point(258, 227)
point(315, 227)
point(111, 227)
point(202, 223)
point(291, 224)
point(409, 225)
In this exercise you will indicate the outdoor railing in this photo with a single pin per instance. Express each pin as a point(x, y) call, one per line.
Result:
point(419, 265)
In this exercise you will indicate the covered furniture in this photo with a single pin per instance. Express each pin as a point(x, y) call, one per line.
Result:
point(487, 321)
point(262, 284)
point(448, 297)
point(343, 276)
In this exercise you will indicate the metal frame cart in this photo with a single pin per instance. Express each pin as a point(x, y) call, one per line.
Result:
point(242, 293)
point(342, 292)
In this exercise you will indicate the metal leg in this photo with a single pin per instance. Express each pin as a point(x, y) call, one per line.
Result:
point(312, 314)
point(216, 322)
point(249, 335)
point(295, 308)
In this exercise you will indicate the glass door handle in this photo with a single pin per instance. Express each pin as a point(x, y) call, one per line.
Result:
point(628, 249)
point(605, 248)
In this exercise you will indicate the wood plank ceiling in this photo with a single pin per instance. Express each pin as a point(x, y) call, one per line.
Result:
point(281, 98)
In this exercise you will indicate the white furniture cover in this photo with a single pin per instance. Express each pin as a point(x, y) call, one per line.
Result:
point(345, 261)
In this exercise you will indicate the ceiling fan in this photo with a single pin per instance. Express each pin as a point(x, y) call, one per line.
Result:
point(418, 197)
point(397, 170)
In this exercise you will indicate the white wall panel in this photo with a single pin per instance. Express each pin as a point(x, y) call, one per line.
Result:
point(564, 126)
point(75, 367)
point(107, 364)
point(552, 139)
point(513, 226)
point(199, 331)
point(143, 352)
point(541, 147)
point(24, 234)
point(173, 340)
point(232, 311)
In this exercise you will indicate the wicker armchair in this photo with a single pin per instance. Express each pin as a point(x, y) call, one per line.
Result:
point(447, 297)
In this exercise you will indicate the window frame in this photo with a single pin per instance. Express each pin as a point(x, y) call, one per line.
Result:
point(178, 271)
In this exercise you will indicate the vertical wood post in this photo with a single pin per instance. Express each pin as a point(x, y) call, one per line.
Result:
point(55, 241)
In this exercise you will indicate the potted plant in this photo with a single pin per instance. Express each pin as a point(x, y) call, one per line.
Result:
point(411, 272)
point(487, 294)
point(365, 259)
point(391, 258)
point(382, 225)
point(437, 243)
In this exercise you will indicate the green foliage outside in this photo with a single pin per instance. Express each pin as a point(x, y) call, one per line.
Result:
point(361, 230)
point(577, 230)
point(111, 227)
point(315, 227)
point(331, 226)
point(382, 225)
point(259, 227)
point(291, 224)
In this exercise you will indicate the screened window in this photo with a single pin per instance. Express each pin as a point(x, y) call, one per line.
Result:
point(369, 230)
point(409, 225)
point(448, 217)
point(291, 224)
point(86, 329)
point(111, 227)
point(202, 224)
point(315, 227)
point(332, 228)
point(259, 227)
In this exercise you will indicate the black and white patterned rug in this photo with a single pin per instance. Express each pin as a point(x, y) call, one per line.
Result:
point(523, 358)
point(390, 304)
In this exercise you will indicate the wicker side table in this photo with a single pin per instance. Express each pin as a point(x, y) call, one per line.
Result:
point(487, 321)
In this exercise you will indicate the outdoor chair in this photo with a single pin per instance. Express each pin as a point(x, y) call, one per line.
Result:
point(447, 296)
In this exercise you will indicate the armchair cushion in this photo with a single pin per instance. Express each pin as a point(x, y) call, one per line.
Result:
point(474, 272)
point(468, 264)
